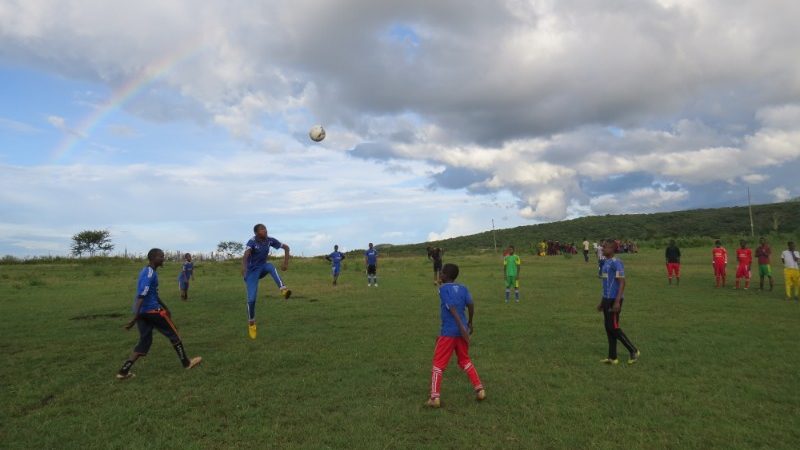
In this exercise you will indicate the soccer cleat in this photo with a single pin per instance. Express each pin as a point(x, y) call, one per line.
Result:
point(376, 284)
point(480, 395)
point(634, 358)
point(433, 403)
point(286, 293)
point(610, 361)
point(125, 376)
point(194, 362)
point(251, 330)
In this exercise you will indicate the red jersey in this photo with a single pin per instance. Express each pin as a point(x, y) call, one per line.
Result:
point(744, 256)
point(719, 255)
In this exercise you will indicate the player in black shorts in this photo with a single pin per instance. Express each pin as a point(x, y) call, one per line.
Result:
point(371, 260)
point(435, 254)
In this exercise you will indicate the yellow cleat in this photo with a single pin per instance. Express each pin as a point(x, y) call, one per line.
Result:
point(634, 358)
point(286, 293)
point(480, 395)
point(194, 362)
point(251, 329)
point(610, 361)
point(125, 376)
point(433, 403)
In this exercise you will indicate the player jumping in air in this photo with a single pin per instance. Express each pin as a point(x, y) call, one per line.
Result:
point(149, 312)
point(719, 260)
point(255, 267)
point(336, 258)
point(454, 334)
point(763, 253)
point(511, 266)
point(371, 261)
point(744, 256)
point(435, 254)
point(613, 276)
point(187, 273)
point(673, 256)
point(791, 271)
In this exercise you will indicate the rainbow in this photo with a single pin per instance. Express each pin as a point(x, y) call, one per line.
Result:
point(119, 97)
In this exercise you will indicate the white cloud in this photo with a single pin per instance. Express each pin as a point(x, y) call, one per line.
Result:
point(754, 178)
point(781, 194)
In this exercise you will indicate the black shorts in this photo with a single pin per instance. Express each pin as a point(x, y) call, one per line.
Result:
point(160, 320)
point(371, 269)
point(437, 266)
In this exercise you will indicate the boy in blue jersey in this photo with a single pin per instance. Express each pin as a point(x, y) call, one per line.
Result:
point(255, 267)
point(336, 258)
point(613, 278)
point(150, 312)
point(454, 335)
point(187, 273)
point(371, 261)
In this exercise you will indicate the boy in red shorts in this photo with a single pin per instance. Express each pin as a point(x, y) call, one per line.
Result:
point(454, 335)
point(673, 257)
point(719, 260)
point(745, 258)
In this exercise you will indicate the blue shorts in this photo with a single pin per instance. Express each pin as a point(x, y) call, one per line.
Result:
point(335, 269)
point(252, 277)
point(183, 283)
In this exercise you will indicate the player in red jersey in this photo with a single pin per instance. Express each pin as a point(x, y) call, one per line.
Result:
point(745, 258)
point(719, 259)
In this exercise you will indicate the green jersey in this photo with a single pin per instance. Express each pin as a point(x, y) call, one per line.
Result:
point(512, 263)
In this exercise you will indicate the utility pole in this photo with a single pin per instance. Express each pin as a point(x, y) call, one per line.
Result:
point(750, 208)
point(494, 236)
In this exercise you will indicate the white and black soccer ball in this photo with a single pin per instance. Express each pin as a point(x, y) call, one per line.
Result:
point(316, 133)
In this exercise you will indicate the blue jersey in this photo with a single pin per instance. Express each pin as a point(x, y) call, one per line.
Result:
point(372, 256)
point(457, 296)
point(336, 258)
point(186, 272)
point(259, 251)
point(613, 270)
point(147, 287)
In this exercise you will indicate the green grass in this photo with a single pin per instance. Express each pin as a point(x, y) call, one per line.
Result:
point(349, 367)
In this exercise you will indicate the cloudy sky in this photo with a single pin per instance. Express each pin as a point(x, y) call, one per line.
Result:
point(181, 123)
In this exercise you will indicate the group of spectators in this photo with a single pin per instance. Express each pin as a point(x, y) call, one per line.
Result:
point(554, 248)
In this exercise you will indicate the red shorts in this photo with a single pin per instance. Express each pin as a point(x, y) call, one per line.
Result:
point(743, 271)
point(673, 269)
point(719, 269)
point(445, 346)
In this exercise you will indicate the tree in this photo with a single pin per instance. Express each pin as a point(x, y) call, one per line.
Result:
point(230, 249)
point(91, 242)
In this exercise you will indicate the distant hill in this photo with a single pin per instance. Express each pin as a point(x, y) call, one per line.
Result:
point(693, 227)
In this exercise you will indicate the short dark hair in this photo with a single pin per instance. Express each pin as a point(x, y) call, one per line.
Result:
point(717, 242)
point(187, 255)
point(612, 243)
point(258, 226)
point(153, 252)
point(450, 271)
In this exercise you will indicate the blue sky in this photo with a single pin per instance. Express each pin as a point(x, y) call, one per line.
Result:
point(440, 117)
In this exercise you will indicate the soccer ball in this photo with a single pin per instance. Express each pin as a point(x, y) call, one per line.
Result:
point(317, 133)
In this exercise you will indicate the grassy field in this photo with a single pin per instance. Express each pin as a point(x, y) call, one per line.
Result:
point(349, 367)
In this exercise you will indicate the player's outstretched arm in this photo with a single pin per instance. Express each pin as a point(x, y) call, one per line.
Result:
point(461, 327)
point(618, 301)
point(286, 256)
point(245, 260)
point(471, 312)
point(136, 308)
